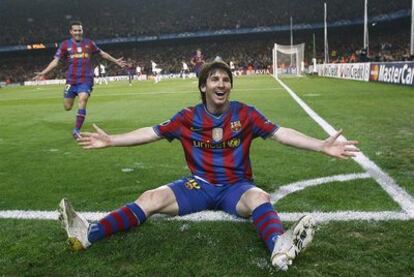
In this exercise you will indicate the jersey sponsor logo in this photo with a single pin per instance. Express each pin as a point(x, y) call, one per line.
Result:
point(232, 143)
point(235, 126)
point(192, 184)
point(79, 56)
point(217, 134)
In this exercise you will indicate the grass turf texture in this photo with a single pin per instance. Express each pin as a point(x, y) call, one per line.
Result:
point(163, 248)
point(41, 164)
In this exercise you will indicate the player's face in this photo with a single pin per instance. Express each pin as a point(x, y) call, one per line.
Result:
point(77, 32)
point(198, 53)
point(217, 91)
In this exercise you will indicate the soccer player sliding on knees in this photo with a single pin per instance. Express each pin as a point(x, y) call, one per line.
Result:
point(215, 130)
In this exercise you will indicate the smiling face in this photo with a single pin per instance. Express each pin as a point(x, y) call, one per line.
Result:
point(217, 91)
point(77, 32)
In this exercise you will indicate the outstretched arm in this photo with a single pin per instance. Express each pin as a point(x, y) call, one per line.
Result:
point(330, 146)
point(50, 67)
point(100, 139)
point(120, 62)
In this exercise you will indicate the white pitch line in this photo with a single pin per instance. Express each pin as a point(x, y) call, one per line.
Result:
point(398, 194)
point(348, 216)
point(45, 215)
point(222, 216)
point(103, 94)
point(291, 217)
point(178, 92)
point(301, 185)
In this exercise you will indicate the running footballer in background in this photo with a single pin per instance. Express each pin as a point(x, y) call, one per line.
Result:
point(197, 61)
point(130, 70)
point(77, 51)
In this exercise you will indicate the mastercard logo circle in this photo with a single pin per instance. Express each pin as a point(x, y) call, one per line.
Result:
point(375, 72)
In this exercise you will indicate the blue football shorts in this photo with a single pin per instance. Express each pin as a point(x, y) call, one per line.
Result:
point(197, 70)
point(71, 91)
point(195, 195)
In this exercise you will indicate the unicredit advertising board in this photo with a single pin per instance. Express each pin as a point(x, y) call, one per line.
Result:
point(400, 73)
point(350, 71)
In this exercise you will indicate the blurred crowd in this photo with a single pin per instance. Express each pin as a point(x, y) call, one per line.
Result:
point(389, 41)
point(24, 21)
point(169, 57)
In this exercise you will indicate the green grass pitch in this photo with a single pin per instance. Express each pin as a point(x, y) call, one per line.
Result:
point(40, 163)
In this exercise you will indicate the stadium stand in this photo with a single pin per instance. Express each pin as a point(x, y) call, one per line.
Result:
point(46, 21)
point(134, 18)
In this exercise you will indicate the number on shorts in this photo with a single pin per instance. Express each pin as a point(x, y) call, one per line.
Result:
point(67, 88)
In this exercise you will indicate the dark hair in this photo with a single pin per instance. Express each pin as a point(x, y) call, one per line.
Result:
point(74, 23)
point(209, 69)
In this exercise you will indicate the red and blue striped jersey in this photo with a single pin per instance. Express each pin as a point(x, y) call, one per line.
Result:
point(78, 55)
point(217, 147)
point(198, 60)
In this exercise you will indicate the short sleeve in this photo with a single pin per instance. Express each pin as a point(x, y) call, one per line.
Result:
point(262, 127)
point(61, 52)
point(170, 129)
point(94, 48)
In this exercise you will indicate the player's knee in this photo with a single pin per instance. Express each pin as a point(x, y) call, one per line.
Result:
point(153, 200)
point(82, 102)
point(261, 197)
point(256, 197)
point(252, 199)
point(67, 107)
point(147, 196)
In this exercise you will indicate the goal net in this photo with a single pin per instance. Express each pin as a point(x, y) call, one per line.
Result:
point(288, 59)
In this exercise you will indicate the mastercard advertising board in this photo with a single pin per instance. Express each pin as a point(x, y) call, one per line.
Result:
point(400, 73)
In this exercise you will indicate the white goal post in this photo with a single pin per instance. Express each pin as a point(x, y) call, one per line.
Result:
point(288, 59)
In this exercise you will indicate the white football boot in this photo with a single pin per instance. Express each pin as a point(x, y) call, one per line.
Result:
point(75, 225)
point(290, 243)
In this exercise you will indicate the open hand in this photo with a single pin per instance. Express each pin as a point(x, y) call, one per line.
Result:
point(38, 76)
point(121, 62)
point(99, 139)
point(339, 149)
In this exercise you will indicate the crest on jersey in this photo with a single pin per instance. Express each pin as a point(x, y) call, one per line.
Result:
point(79, 49)
point(235, 126)
point(192, 184)
point(217, 134)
